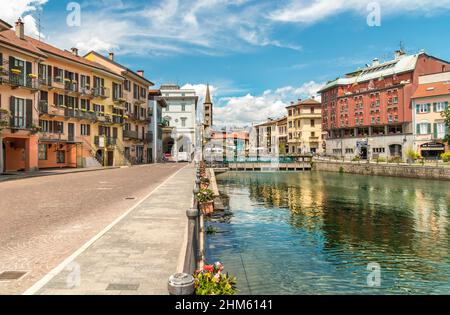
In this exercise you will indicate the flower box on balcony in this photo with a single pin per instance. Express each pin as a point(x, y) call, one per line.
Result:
point(32, 75)
point(16, 71)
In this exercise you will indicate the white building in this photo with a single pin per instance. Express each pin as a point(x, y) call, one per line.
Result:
point(181, 114)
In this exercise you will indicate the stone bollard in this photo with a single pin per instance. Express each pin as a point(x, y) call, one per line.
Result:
point(181, 284)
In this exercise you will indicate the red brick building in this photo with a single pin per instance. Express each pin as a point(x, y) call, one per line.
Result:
point(368, 112)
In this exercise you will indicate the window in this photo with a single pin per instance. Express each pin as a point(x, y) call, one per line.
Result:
point(423, 108)
point(45, 125)
point(312, 110)
point(440, 130)
point(440, 106)
point(42, 152)
point(313, 122)
point(19, 113)
point(85, 130)
point(378, 150)
point(61, 157)
point(183, 121)
point(183, 107)
point(423, 128)
point(99, 108)
point(85, 105)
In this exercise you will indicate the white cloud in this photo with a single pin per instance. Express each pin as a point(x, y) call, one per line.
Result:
point(312, 11)
point(12, 10)
point(248, 109)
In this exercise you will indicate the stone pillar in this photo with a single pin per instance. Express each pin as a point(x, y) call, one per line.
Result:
point(2, 163)
point(181, 284)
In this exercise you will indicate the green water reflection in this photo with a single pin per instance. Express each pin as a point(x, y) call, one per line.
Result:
point(315, 233)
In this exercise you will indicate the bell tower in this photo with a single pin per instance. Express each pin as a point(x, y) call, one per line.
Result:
point(207, 110)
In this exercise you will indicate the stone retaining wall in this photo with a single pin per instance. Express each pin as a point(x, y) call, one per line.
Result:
point(395, 170)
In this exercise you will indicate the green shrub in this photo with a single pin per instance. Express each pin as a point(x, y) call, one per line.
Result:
point(341, 170)
point(205, 195)
point(396, 159)
point(356, 158)
point(445, 157)
point(381, 159)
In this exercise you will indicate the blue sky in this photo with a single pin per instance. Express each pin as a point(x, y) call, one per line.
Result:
point(257, 54)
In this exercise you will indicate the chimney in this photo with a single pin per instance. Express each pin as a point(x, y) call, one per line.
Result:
point(20, 29)
point(141, 73)
point(75, 51)
point(111, 56)
point(376, 62)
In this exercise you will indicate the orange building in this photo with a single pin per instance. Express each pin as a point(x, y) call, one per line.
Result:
point(18, 99)
point(56, 107)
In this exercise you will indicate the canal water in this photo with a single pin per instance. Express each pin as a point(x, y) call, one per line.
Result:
point(331, 233)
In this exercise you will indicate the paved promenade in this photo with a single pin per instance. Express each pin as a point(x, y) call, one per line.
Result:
point(137, 254)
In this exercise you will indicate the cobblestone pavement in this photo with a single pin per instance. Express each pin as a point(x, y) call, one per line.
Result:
point(139, 253)
point(46, 219)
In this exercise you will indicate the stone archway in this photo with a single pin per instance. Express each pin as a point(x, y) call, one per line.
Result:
point(168, 144)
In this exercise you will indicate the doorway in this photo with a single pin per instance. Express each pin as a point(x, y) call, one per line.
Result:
point(110, 159)
point(363, 153)
point(71, 132)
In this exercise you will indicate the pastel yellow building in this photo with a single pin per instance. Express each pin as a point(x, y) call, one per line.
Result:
point(304, 124)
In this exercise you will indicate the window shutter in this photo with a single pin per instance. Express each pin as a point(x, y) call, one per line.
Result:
point(418, 129)
point(55, 99)
point(55, 72)
point(434, 107)
point(1, 59)
point(11, 62)
point(417, 108)
point(11, 110)
point(28, 68)
point(50, 126)
point(429, 128)
point(435, 130)
point(88, 129)
point(49, 74)
point(29, 113)
point(446, 105)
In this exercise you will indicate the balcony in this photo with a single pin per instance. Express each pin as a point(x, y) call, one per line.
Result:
point(43, 107)
point(71, 87)
point(106, 141)
point(130, 134)
point(16, 80)
point(86, 92)
point(117, 119)
point(313, 139)
point(148, 137)
point(100, 92)
point(44, 82)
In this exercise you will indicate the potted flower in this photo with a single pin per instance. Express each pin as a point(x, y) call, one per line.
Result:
point(204, 182)
point(32, 76)
point(211, 280)
point(205, 198)
point(16, 71)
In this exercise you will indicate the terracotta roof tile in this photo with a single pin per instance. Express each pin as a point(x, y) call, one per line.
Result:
point(9, 37)
point(432, 89)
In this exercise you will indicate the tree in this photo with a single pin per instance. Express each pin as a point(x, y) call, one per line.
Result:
point(4, 118)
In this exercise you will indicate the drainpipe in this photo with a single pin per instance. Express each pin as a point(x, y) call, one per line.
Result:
point(155, 131)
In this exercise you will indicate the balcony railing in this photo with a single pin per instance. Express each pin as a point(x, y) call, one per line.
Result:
point(100, 92)
point(108, 141)
point(148, 137)
point(130, 134)
point(71, 87)
point(85, 91)
point(19, 80)
point(43, 107)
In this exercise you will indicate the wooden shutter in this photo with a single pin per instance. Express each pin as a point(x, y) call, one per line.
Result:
point(29, 113)
point(88, 127)
point(418, 129)
point(434, 107)
point(435, 130)
point(12, 60)
point(49, 75)
point(417, 108)
point(28, 68)
point(429, 128)
point(55, 99)
point(1, 59)
point(11, 110)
